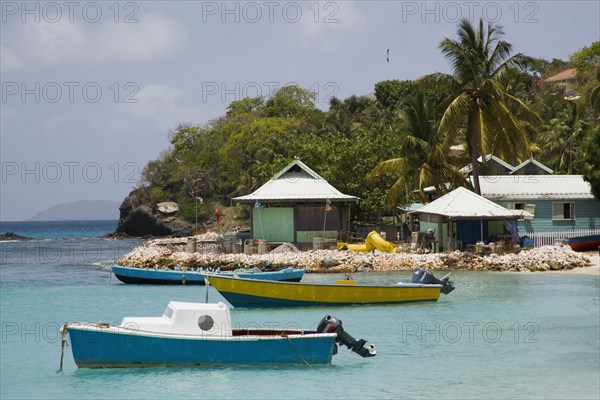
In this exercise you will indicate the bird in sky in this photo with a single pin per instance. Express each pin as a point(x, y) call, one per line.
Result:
point(387, 55)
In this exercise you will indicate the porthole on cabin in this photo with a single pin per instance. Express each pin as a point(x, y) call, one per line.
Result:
point(168, 312)
point(205, 322)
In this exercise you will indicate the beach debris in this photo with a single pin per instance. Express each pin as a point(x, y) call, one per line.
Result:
point(329, 263)
point(285, 248)
point(159, 254)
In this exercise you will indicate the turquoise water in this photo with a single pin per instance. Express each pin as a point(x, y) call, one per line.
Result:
point(497, 335)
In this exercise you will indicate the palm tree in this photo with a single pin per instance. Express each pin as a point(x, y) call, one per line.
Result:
point(564, 132)
point(422, 160)
point(493, 120)
point(595, 93)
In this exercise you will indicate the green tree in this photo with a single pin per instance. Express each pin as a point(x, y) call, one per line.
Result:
point(563, 138)
point(587, 59)
point(423, 159)
point(291, 101)
point(592, 162)
point(245, 106)
point(587, 62)
point(391, 93)
point(494, 121)
point(595, 93)
point(548, 68)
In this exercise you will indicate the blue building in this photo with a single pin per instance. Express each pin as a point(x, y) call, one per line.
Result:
point(554, 206)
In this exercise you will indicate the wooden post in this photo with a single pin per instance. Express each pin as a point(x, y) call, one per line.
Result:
point(440, 235)
point(252, 220)
point(451, 244)
point(340, 228)
point(481, 229)
point(190, 246)
point(295, 222)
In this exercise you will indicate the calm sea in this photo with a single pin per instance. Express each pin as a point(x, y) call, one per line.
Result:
point(498, 335)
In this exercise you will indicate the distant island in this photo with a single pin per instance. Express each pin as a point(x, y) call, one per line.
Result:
point(80, 210)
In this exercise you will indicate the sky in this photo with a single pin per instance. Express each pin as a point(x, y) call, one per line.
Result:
point(90, 90)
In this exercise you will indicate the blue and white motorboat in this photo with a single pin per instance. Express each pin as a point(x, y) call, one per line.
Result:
point(191, 334)
point(180, 277)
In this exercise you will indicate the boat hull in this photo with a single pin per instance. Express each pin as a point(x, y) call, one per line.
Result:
point(171, 277)
point(114, 347)
point(253, 293)
point(584, 243)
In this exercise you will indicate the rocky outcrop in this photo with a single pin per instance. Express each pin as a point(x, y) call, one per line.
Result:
point(12, 236)
point(142, 220)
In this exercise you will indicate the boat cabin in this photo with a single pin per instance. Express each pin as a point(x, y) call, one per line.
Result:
point(204, 319)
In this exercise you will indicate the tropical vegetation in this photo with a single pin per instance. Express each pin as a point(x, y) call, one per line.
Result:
point(387, 147)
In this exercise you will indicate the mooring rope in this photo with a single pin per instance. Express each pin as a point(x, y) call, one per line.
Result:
point(63, 331)
point(296, 350)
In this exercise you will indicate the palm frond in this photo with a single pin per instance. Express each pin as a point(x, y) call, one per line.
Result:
point(437, 80)
point(394, 192)
point(523, 111)
point(392, 166)
point(454, 115)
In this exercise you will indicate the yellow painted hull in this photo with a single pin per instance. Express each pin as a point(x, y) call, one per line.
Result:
point(253, 293)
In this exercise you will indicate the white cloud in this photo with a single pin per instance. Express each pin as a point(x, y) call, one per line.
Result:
point(159, 104)
point(8, 59)
point(40, 44)
point(331, 25)
point(155, 36)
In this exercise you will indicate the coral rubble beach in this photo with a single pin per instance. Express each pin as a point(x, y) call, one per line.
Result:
point(170, 254)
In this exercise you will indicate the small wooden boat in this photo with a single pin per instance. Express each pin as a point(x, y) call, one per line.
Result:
point(202, 334)
point(242, 292)
point(173, 277)
point(584, 243)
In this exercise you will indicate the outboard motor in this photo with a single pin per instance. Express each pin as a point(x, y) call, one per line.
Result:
point(425, 277)
point(331, 324)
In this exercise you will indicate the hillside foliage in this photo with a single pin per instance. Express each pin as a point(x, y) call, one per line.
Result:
point(236, 153)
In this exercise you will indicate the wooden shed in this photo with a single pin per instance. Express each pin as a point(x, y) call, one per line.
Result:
point(297, 205)
point(461, 218)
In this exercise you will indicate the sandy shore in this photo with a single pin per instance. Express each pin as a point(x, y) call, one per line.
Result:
point(594, 269)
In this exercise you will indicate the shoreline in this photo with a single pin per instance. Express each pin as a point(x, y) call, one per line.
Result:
point(594, 269)
point(159, 255)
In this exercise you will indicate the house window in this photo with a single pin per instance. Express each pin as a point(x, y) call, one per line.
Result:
point(514, 206)
point(563, 211)
point(529, 208)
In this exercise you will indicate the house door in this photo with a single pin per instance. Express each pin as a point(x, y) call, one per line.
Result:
point(274, 224)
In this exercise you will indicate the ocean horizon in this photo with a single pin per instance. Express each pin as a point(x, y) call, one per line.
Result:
point(59, 229)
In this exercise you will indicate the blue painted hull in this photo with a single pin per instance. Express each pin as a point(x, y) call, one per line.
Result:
point(171, 277)
point(105, 348)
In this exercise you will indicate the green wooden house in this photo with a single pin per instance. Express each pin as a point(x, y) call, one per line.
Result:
point(292, 207)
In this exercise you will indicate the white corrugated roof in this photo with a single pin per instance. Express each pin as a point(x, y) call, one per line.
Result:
point(296, 184)
point(467, 169)
point(535, 187)
point(534, 162)
point(464, 204)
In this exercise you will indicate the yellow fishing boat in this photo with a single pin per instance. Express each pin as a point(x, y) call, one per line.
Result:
point(241, 292)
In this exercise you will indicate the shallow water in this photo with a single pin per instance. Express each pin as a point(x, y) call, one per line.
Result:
point(500, 335)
